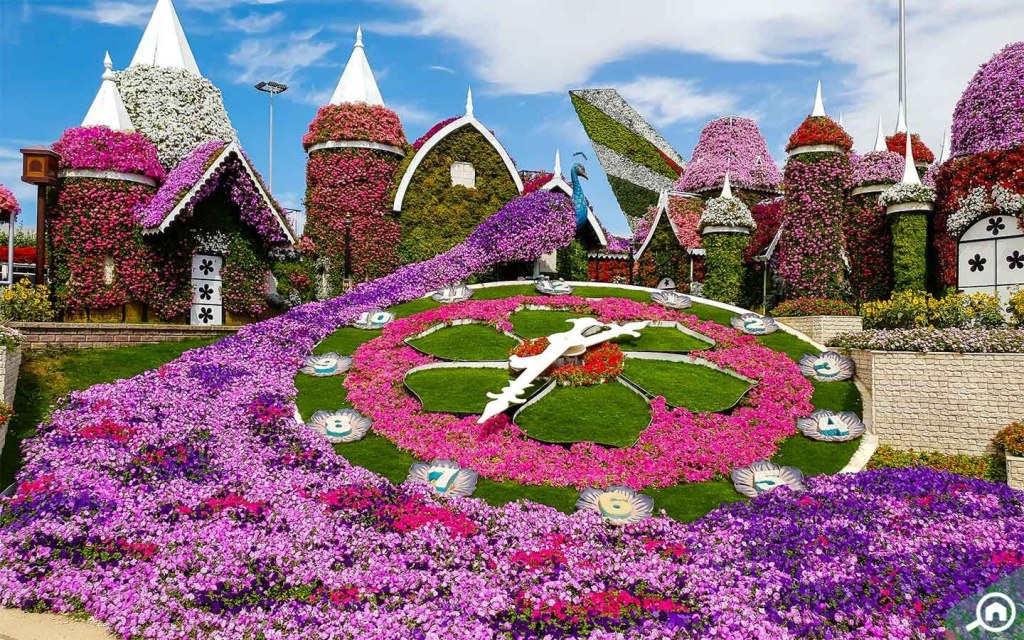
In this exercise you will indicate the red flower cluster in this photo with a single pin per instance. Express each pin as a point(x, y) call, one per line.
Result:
point(817, 130)
point(898, 144)
point(868, 236)
point(768, 216)
point(355, 121)
point(600, 364)
point(529, 347)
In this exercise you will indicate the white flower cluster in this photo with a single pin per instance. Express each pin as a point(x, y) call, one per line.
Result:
point(980, 202)
point(212, 242)
point(726, 212)
point(904, 193)
point(175, 109)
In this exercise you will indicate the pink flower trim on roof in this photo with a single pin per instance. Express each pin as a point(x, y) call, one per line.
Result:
point(734, 145)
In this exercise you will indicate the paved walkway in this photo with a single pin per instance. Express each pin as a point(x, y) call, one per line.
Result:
point(18, 625)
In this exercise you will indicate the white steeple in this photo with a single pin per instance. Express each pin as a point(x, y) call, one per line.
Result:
point(944, 153)
point(727, 187)
point(840, 121)
point(558, 164)
point(819, 104)
point(469, 101)
point(880, 144)
point(909, 170)
point(107, 108)
point(901, 119)
point(357, 83)
point(164, 44)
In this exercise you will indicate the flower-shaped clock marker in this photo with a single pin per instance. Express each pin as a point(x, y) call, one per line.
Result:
point(827, 367)
point(755, 324)
point(346, 425)
point(327, 364)
point(452, 293)
point(829, 426)
point(375, 319)
point(567, 343)
point(763, 476)
point(445, 477)
point(671, 299)
point(554, 287)
point(617, 505)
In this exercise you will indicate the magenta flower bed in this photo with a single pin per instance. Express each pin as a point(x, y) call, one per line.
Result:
point(877, 167)
point(678, 446)
point(187, 503)
point(101, 149)
point(355, 121)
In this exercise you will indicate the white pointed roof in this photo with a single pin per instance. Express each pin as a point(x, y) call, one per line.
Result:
point(727, 187)
point(558, 164)
point(909, 169)
point(840, 121)
point(163, 43)
point(357, 83)
point(944, 153)
point(880, 144)
point(107, 108)
point(469, 101)
point(819, 104)
point(901, 119)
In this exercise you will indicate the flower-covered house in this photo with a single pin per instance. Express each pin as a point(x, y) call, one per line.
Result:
point(159, 214)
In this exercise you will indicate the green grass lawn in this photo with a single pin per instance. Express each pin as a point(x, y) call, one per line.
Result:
point(346, 340)
point(696, 387)
point(683, 502)
point(466, 342)
point(456, 390)
point(46, 377)
point(609, 414)
point(668, 339)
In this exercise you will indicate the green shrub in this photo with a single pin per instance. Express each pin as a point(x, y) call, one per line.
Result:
point(983, 467)
point(813, 307)
point(572, 262)
point(724, 269)
point(909, 252)
point(917, 310)
point(25, 302)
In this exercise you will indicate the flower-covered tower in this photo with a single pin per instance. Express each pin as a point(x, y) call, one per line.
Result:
point(980, 188)
point(355, 146)
point(732, 145)
point(817, 176)
point(167, 98)
point(865, 226)
point(908, 205)
point(98, 264)
point(725, 228)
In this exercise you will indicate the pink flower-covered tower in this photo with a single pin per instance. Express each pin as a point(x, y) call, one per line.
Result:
point(817, 175)
point(355, 146)
point(98, 264)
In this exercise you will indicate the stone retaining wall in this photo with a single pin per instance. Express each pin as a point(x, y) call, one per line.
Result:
point(10, 363)
point(87, 335)
point(949, 402)
point(824, 328)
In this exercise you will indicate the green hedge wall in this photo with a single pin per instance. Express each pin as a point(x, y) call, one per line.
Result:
point(633, 199)
point(435, 215)
point(910, 251)
point(572, 262)
point(664, 257)
point(723, 266)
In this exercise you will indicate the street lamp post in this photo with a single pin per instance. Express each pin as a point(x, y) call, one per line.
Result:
point(272, 88)
point(39, 167)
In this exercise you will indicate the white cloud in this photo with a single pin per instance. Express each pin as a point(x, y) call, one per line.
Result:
point(413, 114)
point(254, 23)
point(118, 13)
point(442, 69)
point(217, 5)
point(855, 40)
point(664, 101)
point(278, 58)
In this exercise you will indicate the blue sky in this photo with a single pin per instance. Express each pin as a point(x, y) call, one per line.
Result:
point(680, 63)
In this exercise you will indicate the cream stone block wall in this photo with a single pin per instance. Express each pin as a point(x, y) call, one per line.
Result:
point(10, 363)
point(824, 328)
point(949, 402)
point(1015, 472)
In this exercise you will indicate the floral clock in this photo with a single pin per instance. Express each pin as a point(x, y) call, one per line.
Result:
point(827, 367)
point(671, 299)
point(829, 426)
point(667, 442)
point(764, 476)
point(336, 427)
point(327, 364)
point(452, 294)
point(755, 324)
point(445, 477)
point(375, 319)
point(617, 505)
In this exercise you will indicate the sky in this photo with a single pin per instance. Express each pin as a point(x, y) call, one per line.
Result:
point(679, 62)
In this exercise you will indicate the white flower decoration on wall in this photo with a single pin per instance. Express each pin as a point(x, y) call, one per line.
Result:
point(617, 505)
point(763, 476)
point(755, 324)
point(671, 299)
point(827, 367)
point(327, 364)
point(346, 425)
point(375, 319)
point(445, 477)
point(829, 426)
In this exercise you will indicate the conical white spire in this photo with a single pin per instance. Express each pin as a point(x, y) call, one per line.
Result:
point(469, 101)
point(357, 83)
point(163, 43)
point(819, 104)
point(727, 187)
point(944, 153)
point(901, 119)
point(558, 164)
point(909, 169)
point(840, 121)
point(880, 144)
point(107, 108)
